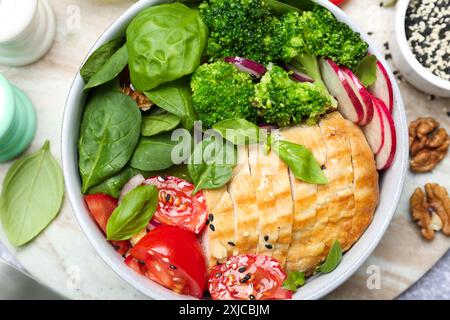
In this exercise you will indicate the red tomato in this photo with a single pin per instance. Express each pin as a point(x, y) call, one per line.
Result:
point(173, 258)
point(101, 206)
point(337, 2)
point(177, 207)
point(247, 277)
point(135, 265)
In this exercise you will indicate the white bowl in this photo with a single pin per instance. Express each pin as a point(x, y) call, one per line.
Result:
point(406, 62)
point(391, 182)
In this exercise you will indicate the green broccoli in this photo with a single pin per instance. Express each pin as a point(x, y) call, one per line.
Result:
point(282, 101)
point(221, 91)
point(238, 28)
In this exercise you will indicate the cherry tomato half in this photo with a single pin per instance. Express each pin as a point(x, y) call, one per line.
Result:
point(337, 2)
point(177, 207)
point(173, 258)
point(248, 277)
point(101, 206)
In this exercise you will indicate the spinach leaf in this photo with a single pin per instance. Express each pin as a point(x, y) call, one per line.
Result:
point(294, 280)
point(109, 132)
point(333, 259)
point(284, 6)
point(155, 124)
point(211, 164)
point(175, 97)
point(133, 214)
point(238, 131)
point(32, 194)
point(113, 186)
point(301, 161)
point(367, 70)
point(179, 171)
point(165, 42)
point(99, 57)
point(110, 70)
point(153, 153)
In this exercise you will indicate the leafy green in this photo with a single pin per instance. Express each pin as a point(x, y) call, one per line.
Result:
point(155, 124)
point(285, 6)
point(111, 69)
point(110, 130)
point(333, 259)
point(175, 97)
point(32, 194)
point(165, 42)
point(153, 153)
point(238, 131)
point(179, 171)
point(113, 186)
point(294, 280)
point(133, 214)
point(301, 161)
point(211, 164)
point(99, 57)
point(367, 70)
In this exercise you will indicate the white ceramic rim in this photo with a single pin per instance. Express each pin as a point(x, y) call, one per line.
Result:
point(400, 36)
point(316, 287)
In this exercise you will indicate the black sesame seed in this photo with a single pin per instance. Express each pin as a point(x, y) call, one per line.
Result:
point(207, 221)
point(164, 178)
point(245, 278)
point(218, 275)
point(167, 198)
point(211, 217)
point(370, 33)
point(381, 4)
point(252, 297)
point(173, 267)
point(323, 167)
point(231, 243)
point(386, 45)
point(211, 226)
point(266, 238)
point(269, 246)
point(388, 56)
point(242, 269)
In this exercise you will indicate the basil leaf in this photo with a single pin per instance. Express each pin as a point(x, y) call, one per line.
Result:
point(99, 57)
point(333, 259)
point(285, 6)
point(367, 70)
point(211, 164)
point(113, 186)
point(294, 280)
point(301, 161)
point(153, 153)
point(109, 132)
point(175, 97)
point(133, 214)
point(179, 171)
point(111, 69)
point(238, 131)
point(155, 124)
point(32, 195)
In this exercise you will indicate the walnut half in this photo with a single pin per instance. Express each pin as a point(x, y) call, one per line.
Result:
point(141, 99)
point(431, 210)
point(428, 144)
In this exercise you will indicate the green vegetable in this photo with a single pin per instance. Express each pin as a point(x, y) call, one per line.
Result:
point(165, 43)
point(220, 92)
point(155, 124)
point(294, 280)
point(153, 153)
point(238, 28)
point(300, 161)
point(179, 171)
point(333, 259)
point(99, 57)
point(113, 186)
point(281, 100)
point(175, 97)
point(32, 194)
point(111, 69)
point(367, 70)
point(238, 131)
point(109, 132)
point(133, 214)
point(211, 164)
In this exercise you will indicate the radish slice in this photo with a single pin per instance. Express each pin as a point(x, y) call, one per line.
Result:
point(338, 86)
point(249, 66)
point(297, 75)
point(385, 157)
point(374, 131)
point(363, 95)
point(382, 88)
point(130, 185)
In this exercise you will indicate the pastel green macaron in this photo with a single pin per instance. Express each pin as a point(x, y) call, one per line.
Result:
point(17, 121)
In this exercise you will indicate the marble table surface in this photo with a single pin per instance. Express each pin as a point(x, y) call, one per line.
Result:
point(62, 258)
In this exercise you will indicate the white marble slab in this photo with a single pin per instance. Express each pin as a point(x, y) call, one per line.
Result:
point(61, 256)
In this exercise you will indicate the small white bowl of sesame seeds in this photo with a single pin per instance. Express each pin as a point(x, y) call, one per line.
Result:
point(421, 44)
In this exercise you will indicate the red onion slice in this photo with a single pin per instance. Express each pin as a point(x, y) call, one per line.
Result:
point(153, 224)
point(130, 185)
point(249, 66)
point(297, 75)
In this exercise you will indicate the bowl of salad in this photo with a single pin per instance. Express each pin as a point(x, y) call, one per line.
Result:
point(234, 149)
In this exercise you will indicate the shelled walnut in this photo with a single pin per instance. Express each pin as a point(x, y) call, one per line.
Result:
point(141, 99)
point(428, 144)
point(431, 210)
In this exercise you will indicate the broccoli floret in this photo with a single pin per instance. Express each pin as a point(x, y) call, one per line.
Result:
point(221, 91)
point(238, 28)
point(283, 101)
